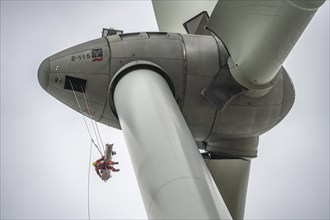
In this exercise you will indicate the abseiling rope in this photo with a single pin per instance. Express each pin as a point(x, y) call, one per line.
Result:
point(88, 183)
point(97, 134)
point(90, 116)
point(74, 93)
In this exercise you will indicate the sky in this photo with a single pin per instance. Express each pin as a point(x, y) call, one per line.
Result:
point(45, 146)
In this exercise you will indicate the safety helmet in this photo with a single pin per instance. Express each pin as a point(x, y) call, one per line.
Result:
point(94, 164)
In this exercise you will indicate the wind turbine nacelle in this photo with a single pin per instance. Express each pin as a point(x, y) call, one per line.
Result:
point(194, 66)
point(91, 66)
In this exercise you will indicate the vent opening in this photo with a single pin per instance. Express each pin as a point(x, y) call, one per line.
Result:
point(130, 35)
point(157, 34)
point(78, 85)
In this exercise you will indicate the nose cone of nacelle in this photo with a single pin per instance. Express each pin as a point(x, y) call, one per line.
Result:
point(43, 74)
point(79, 77)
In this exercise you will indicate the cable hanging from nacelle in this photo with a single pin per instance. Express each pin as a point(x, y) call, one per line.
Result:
point(90, 135)
point(89, 110)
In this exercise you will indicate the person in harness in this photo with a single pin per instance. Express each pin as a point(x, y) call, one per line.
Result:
point(105, 163)
point(100, 165)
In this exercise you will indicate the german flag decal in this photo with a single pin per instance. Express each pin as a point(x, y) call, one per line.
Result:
point(97, 55)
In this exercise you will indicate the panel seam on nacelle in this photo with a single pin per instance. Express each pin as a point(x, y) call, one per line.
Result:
point(75, 73)
point(212, 126)
point(109, 62)
point(185, 64)
point(217, 40)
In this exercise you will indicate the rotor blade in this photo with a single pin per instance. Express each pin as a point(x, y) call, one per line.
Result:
point(231, 177)
point(260, 34)
point(171, 15)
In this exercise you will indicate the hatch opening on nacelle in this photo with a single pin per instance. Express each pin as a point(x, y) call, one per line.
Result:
point(78, 85)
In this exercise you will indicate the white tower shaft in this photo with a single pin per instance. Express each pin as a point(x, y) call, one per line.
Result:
point(172, 176)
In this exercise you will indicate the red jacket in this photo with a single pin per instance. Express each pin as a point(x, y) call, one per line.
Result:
point(100, 165)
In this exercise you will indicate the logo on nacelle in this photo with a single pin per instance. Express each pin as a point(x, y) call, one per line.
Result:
point(97, 55)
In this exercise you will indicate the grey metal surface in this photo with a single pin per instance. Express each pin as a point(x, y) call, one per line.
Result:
point(197, 24)
point(248, 116)
point(222, 89)
point(259, 35)
point(236, 130)
point(202, 64)
point(173, 178)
